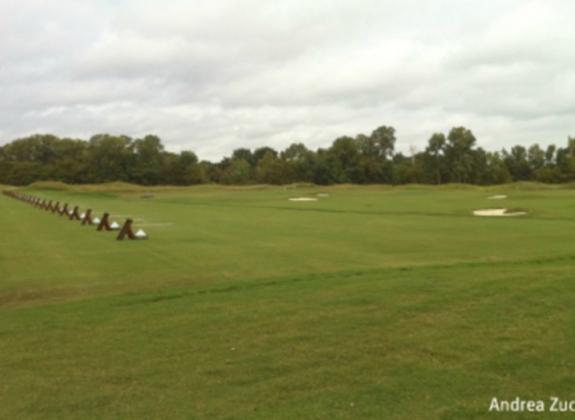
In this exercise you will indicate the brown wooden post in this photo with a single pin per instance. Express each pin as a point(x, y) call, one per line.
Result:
point(126, 231)
point(56, 208)
point(87, 220)
point(74, 214)
point(104, 223)
point(64, 210)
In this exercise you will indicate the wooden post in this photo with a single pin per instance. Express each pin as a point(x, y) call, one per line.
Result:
point(104, 223)
point(87, 220)
point(56, 208)
point(126, 231)
point(74, 214)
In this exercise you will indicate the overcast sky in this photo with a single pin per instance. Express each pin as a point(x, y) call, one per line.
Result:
point(212, 76)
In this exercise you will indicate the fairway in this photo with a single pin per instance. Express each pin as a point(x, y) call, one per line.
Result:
point(371, 302)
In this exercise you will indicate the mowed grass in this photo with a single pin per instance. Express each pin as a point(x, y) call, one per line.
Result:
point(374, 302)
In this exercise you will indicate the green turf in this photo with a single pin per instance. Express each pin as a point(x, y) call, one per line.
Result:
point(374, 302)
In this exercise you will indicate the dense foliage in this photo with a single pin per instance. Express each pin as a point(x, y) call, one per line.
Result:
point(361, 160)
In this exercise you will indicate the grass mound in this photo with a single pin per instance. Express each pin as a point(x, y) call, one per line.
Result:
point(50, 185)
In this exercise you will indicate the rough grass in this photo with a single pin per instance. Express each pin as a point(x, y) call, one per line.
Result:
point(372, 303)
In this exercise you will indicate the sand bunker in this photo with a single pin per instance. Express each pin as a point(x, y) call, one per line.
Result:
point(303, 199)
point(323, 195)
point(498, 213)
point(497, 197)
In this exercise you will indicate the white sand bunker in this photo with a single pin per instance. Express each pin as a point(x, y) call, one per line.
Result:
point(498, 213)
point(303, 199)
point(497, 197)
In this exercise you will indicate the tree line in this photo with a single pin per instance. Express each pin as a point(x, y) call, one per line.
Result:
point(363, 159)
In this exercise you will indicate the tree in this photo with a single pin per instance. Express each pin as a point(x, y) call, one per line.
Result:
point(261, 152)
point(361, 159)
point(342, 158)
point(381, 143)
point(459, 154)
point(244, 154)
point(148, 160)
point(271, 170)
point(535, 157)
point(238, 171)
point(183, 169)
point(517, 163)
point(299, 163)
point(110, 158)
point(434, 159)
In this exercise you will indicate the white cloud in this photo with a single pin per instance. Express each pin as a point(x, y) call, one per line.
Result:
point(213, 76)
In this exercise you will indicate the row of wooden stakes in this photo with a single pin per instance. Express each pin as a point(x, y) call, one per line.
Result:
point(103, 224)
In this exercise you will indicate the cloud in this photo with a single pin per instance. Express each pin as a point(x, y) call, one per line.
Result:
point(214, 76)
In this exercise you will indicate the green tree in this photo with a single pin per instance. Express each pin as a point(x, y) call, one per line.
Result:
point(237, 171)
point(381, 143)
point(434, 165)
point(459, 154)
point(149, 156)
point(110, 158)
point(518, 164)
point(244, 154)
point(271, 170)
point(342, 159)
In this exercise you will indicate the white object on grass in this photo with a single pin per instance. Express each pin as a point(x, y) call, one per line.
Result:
point(303, 199)
point(140, 234)
point(96, 220)
point(498, 197)
point(497, 213)
point(114, 225)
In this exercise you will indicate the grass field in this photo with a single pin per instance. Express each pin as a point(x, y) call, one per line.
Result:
point(374, 302)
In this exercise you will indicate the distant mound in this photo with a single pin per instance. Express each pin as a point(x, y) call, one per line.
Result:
point(108, 186)
point(50, 185)
point(6, 187)
point(125, 187)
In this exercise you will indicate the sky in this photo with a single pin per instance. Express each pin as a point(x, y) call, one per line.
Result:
point(213, 76)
